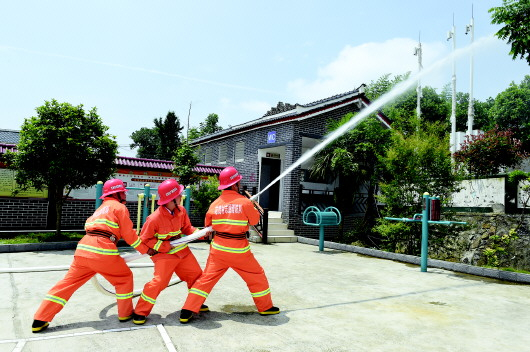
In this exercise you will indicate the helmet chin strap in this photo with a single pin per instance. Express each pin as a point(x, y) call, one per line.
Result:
point(119, 197)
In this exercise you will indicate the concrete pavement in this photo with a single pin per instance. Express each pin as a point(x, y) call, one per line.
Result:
point(330, 301)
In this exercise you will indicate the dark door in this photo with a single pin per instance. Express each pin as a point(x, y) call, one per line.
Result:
point(270, 169)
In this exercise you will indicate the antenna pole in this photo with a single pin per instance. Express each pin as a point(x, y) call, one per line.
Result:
point(471, 109)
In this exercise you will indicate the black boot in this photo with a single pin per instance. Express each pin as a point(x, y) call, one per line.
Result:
point(270, 311)
point(185, 316)
point(39, 325)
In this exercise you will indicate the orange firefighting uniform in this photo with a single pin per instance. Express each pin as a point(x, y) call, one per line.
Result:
point(161, 227)
point(97, 253)
point(230, 215)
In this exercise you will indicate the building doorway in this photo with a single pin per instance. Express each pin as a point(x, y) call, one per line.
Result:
point(270, 169)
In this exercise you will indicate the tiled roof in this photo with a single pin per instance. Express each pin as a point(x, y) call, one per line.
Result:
point(299, 111)
point(150, 164)
point(144, 163)
point(7, 148)
point(9, 136)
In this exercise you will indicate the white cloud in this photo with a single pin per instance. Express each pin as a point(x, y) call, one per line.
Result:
point(364, 63)
point(256, 107)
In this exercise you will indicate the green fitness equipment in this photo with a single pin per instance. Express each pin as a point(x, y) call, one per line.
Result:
point(429, 215)
point(143, 198)
point(328, 217)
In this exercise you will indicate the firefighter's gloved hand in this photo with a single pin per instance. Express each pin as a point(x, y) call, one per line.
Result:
point(151, 252)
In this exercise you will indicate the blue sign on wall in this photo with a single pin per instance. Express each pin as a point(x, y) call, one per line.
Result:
point(271, 137)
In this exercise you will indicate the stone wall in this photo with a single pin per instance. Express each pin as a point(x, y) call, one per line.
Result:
point(468, 246)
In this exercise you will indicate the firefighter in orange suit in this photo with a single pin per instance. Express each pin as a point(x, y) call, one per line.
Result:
point(97, 253)
point(230, 215)
point(167, 223)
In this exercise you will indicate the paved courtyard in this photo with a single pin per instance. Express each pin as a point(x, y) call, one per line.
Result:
point(330, 301)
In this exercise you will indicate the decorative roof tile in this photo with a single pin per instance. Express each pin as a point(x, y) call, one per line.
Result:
point(140, 163)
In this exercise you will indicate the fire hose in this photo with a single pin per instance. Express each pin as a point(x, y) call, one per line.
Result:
point(127, 257)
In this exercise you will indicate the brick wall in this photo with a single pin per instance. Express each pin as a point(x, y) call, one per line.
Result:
point(30, 213)
point(289, 135)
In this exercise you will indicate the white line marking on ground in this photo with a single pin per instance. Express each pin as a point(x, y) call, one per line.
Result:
point(166, 338)
point(18, 341)
point(20, 345)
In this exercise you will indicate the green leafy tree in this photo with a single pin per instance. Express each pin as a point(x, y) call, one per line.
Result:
point(62, 148)
point(169, 131)
point(147, 141)
point(185, 161)
point(159, 142)
point(488, 153)
point(204, 195)
point(514, 15)
point(414, 164)
point(353, 158)
point(511, 110)
point(209, 126)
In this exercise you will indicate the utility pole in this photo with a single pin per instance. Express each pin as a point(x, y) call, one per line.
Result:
point(418, 52)
point(188, 129)
point(451, 35)
point(470, 28)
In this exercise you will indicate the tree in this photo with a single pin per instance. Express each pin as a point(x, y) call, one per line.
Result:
point(63, 148)
point(204, 195)
point(159, 142)
point(169, 131)
point(490, 152)
point(511, 110)
point(353, 158)
point(515, 15)
point(414, 164)
point(185, 161)
point(209, 126)
point(147, 141)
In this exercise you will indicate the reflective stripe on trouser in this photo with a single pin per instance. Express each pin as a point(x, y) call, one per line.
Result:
point(187, 269)
point(112, 268)
point(245, 265)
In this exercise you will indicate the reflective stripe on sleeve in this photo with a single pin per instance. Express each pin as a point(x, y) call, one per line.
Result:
point(157, 245)
point(261, 294)
point(230, 249)
point(198, 292)
point(56, 299)
point(124, 295)
point(97, 250)
point(136, 243)
point(178, 248)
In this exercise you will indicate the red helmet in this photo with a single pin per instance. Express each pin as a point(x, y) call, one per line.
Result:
point(169, 190)
point(114, 185)
point(228, 177)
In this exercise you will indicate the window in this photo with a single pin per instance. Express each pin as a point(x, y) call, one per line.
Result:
point(240, 151)
point(208, 156)
point(222, 154)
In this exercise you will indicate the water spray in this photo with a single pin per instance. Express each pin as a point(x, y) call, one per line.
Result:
point(398, 90)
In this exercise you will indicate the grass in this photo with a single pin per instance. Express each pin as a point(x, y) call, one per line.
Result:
point(41, 237)
point(508, 269)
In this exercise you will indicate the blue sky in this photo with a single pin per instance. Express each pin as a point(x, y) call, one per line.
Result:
point(137, 60)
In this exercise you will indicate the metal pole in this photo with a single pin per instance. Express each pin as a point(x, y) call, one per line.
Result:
point(265, 229)
point(425, 231)
point(321, 238)
point(451, 35)
point(471, 108)
point(187, 200)
point(418, 52)
point(147, 196)
point(99, 193)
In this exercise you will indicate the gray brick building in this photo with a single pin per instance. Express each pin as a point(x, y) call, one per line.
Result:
point(262, 149)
